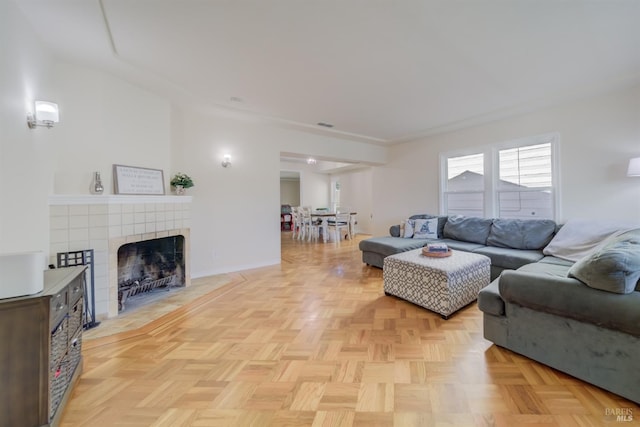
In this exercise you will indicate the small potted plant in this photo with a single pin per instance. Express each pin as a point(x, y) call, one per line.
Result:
point(180, 182)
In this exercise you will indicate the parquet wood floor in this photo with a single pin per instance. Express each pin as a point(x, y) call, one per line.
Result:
point(315, 342)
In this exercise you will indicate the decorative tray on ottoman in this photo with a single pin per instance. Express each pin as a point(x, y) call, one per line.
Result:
point(436, 250)
point(426, 252)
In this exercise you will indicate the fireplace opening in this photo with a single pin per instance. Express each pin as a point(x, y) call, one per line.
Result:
point(148, 267)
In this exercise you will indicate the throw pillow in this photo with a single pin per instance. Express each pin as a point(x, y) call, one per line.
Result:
point(408, 228)
point(426, 229)
point(614, 266)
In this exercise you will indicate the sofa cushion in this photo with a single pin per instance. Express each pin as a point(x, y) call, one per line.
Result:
point(489, 300)
point(509, 258)
point(614, 266)
point(422, 216)
point(461, 246)
point(388, 245)
point(442, 221)
point(520, 233)
point(546, 269)
point(467, 229)
point(568, 297)
point(553, 260)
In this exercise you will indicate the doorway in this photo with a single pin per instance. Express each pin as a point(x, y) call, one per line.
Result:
point(290, 188)
point(289, 197)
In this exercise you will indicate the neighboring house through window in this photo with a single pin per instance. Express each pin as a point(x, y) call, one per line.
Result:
point(465, 187)
point(517, 179)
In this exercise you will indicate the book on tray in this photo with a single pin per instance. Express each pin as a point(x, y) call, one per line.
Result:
point(437, 247)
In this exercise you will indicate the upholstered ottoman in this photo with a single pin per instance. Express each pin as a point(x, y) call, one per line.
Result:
point(443, 285)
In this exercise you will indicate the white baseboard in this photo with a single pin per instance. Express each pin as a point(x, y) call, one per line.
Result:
point(232, 269)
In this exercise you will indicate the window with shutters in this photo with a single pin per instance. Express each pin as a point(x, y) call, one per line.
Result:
point(516, 179)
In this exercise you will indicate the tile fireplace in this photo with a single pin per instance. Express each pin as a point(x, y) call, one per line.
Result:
point(106, 223)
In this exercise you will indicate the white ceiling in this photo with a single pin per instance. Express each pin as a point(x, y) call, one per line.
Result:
point(324, 166)
point(380, 71)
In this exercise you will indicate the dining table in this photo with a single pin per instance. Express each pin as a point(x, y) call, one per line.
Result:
point(324, 217)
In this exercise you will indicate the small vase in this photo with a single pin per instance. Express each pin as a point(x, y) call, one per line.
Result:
point(180, 190)
point(97, 184)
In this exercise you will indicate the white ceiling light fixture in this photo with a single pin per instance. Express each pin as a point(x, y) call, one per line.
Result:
point(311, 161)
point(226, 160)
point(45, 114)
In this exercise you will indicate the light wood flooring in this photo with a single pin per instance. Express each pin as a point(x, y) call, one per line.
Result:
point(315, 342)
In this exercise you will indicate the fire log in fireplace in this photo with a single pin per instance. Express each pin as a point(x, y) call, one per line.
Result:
point(149, 265)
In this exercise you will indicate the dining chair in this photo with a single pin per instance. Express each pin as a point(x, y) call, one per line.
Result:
point(352, 226)
point(342, 221)
point(286, 222)
point(309, 228)
point(296, 225)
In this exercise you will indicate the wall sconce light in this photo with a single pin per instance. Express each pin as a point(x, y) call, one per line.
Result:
point(226, 161)
point(634, 167)
point(46, 114)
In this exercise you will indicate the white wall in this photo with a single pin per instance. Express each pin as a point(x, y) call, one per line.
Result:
point(106, 121)
point(290, 192)
point(235, 214)
point(25, 154)
point(314, 189)
point(597, 137)
point(356, 194)
point(314, 186)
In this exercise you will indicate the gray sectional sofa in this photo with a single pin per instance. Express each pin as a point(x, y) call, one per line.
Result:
point(577, 311)
point(581, 318)
point(509, 243)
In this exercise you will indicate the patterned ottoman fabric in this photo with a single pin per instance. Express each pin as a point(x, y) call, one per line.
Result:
point(443, 285)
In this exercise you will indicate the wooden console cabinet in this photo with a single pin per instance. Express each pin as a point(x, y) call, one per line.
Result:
point(40, 350)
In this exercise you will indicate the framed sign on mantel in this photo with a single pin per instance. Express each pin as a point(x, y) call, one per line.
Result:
point(135, 180)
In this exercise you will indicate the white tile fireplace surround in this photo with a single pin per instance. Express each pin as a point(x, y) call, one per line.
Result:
point(106, 222)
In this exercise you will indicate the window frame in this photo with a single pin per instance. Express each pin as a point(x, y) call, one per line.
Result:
point(491, 161)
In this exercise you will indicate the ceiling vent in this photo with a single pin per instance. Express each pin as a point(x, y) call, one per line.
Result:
point(326, 125)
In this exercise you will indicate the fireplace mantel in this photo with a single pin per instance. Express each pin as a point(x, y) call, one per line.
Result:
point(113, 199)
